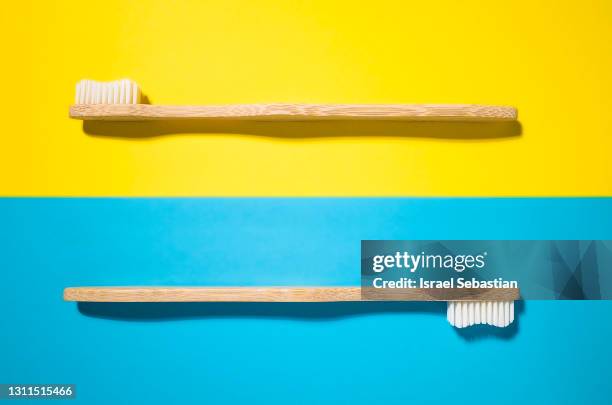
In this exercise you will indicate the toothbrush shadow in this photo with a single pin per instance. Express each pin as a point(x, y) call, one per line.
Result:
point(319, 311)
point(316, 312)
point(307, 129)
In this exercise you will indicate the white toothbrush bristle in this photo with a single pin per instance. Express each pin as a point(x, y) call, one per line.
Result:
point(122, 92)
point(461, 314)
point(117, 92)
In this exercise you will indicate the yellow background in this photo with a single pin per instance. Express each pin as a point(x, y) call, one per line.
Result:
point(552, 60)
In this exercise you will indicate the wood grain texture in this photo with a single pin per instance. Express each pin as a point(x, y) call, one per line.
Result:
point(294, 112)
point(273, 294)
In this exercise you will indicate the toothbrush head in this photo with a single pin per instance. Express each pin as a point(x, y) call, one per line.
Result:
point(461, 314)
point(117, 92)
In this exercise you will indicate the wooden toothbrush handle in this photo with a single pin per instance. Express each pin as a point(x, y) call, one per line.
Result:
point(294, 112)
point(274, 294)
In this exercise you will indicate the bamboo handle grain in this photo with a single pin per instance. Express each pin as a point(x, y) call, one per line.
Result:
point(277, 294)
point(294, 112)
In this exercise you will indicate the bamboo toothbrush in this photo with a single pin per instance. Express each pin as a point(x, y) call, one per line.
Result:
point(120, 101)
point(494, 306)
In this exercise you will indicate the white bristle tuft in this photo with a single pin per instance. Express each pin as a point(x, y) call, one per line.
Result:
point(122, 92)
point(117, 92)
point(462, 314)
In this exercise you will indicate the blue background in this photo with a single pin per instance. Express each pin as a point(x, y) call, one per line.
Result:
point(557, 352)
